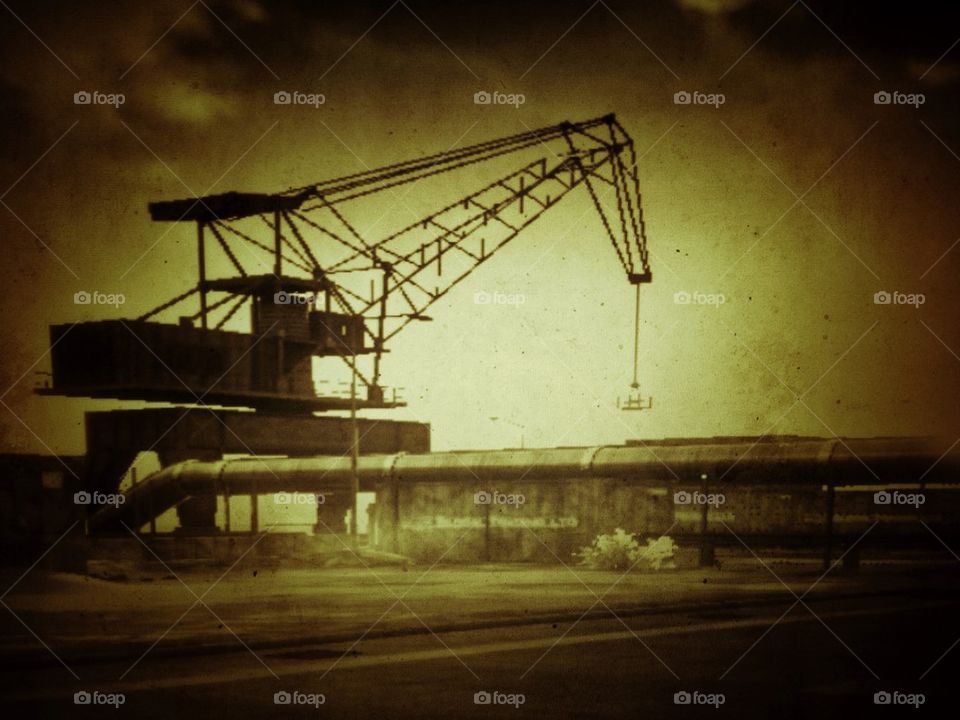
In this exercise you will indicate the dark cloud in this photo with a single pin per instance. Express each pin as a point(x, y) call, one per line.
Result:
point(887, 35)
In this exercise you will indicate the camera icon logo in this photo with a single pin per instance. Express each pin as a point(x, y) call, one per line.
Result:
point(282, 697)
point(882, 97)
point(281, 298)
point(482, 298)
point(882, 498)
point(482, 497)
point(482, 97)
point(882, 297)
point(282, 498)
point(282, 97)
point(882, 698)
point(682, 97)
point(82, 698)
point(682, 297)
point(482, 698)
point(81, 297)
point(82, 498)
point(682, 698)
point(82, 97)
point(682, 497)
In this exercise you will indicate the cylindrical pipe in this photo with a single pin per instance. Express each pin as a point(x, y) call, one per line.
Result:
point(762, 461)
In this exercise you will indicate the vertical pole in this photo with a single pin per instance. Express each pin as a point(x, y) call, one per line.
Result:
point(636, 339)
point(279, 375)
point(395, 491)
point(277, 239)
point(137, 521)
point(381, 319)
point(202, 267)
point(354, 454)
point(254, 512)
point(707, 552)
point(828, 542)
point(486, 533)
point(487, 540)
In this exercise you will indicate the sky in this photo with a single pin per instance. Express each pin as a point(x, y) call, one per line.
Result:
point(795, 201)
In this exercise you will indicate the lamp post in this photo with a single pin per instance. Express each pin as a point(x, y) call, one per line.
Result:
point(354, 455)
point(352, 529)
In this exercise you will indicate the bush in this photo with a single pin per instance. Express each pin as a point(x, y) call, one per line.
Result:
point(621, 551)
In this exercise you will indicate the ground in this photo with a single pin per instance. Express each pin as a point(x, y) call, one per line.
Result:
point(421, 641)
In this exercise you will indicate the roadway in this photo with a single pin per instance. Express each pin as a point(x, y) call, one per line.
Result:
point(823, 658)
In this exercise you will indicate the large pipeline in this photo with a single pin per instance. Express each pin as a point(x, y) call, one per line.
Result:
point(720, 461)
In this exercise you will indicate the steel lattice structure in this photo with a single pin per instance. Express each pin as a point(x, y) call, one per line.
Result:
point(365, 290)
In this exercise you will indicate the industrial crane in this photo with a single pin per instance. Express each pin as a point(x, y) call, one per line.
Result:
point(330, 291)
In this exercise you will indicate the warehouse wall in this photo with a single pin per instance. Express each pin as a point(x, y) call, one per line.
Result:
point(430, 520)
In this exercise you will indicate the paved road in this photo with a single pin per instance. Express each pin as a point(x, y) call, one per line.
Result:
point(822, 662)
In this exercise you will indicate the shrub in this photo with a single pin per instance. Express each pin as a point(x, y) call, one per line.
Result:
point(621, 551)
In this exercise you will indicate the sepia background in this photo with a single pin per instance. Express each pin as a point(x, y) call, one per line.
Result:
point(777, 530)
point(797, 199)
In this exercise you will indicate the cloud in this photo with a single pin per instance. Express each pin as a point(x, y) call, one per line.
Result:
point(714, 7)
point(181, 103)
